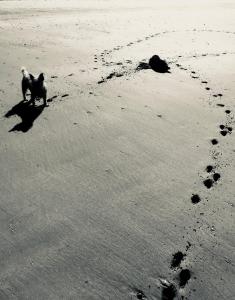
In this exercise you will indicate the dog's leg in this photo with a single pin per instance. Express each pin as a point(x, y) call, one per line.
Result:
point(33, 97)
point(45, 99)
point(24, 90)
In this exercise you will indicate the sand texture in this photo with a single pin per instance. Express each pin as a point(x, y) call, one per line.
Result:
point(123, 187)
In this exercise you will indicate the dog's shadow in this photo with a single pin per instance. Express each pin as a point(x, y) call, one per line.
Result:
point(28, 114)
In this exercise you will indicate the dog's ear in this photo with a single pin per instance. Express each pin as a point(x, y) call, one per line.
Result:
point(41, 77)
point(31, 77)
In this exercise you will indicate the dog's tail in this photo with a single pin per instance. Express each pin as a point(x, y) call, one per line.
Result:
point(24, 72)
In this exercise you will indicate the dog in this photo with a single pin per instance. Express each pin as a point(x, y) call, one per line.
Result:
point(158, 65)
point(36, 85)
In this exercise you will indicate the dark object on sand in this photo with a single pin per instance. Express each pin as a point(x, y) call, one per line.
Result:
point(208, 183)
point(184, 277)
point(158, 65)
point(216, 176)
point(223, 132)
point(214, 142)
point(36, 85)
point(195, 199)
point(169, 292)
point(28, 114)
point(209, 168)
point(177, 259)
point(143, 66)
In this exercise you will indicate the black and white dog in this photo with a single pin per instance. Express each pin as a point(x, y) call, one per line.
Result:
point(36, 85)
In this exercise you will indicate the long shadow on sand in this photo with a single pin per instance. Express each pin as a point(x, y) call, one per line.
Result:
point(28, 114)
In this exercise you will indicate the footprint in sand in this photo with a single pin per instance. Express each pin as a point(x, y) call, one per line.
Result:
point(52, 98)
point(209, 169)
point(184, 277)
point(177, 259)
point(218, 95)
point(216, 177)
point(195, 199)
point(225, 130)
point(214, 142)
point(208, 183)
point(188, 246)
point(139, 294)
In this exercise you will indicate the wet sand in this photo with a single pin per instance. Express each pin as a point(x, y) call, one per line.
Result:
point(123, 188)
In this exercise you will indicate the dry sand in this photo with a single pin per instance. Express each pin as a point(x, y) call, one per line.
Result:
point(96, 188)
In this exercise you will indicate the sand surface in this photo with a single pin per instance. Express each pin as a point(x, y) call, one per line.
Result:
point(95, 190)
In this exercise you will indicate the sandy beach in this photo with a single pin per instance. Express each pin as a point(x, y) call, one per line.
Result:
point(123, 186)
